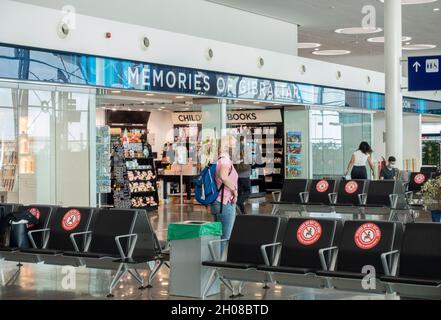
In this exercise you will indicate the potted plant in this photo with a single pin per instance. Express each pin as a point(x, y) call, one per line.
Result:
point(432, 197)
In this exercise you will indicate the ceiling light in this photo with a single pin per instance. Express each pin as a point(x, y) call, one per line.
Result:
point(407, 43)
point(331, 52)
point(114, 109)
point(406, 2)
point(116, 91)
point(143, 102)
point(308, 45)
point(436, 9)
point(419, 47)
point(149, 94)
point(179, 97)
point(129, 109)
point(358, 30)
point(381, 39)
point(257, 102)
point(140, 109)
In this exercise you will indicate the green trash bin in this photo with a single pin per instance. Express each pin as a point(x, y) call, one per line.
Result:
point(188, 249)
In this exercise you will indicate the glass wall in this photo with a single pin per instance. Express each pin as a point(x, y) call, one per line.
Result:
point(335, 135)
point(319, 143)
point(45, 144)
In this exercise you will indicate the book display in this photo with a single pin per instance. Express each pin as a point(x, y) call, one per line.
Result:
point(8, 163)
point(133, 162)
point(103, 160)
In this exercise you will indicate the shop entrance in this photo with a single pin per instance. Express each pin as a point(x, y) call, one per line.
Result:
point(161, 136)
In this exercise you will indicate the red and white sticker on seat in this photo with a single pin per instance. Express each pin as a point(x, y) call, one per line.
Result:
point(309, 232)
point(367, 236)
point(351, 187)
point(71, 220)
point(36, 213)
point(322, 186)
point(419, 178)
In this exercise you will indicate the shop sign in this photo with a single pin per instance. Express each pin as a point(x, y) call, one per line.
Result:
point(233, 117)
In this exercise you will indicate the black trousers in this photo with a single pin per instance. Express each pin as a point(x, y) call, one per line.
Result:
point(244, 191)
point(359, 173)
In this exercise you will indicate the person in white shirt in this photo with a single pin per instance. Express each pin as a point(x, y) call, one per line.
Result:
point(358, 162)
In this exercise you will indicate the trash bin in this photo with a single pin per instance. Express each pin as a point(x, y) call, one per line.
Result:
point(188, 249)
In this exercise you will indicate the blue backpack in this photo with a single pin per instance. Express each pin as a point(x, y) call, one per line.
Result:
point(206, 191)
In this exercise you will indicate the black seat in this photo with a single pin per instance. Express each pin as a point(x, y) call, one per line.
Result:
point(43, 213)
point(419, 259)
point(248, 235)
point(417, 180)
point(301, 243)
point(362, 244)
point(64, 222)
point(319, 192)
point(378, 193)
point(106, 228)
point(348, 192)
point(291, 190)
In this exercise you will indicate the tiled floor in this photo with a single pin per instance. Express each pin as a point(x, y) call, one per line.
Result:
point(46, 282)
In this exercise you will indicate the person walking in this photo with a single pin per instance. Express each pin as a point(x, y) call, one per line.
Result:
point(224, 208)
point(357, 164)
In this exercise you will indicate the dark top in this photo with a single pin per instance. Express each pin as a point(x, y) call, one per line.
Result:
point(388, 174)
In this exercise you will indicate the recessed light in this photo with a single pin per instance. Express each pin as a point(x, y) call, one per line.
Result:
point(331, 52)
point(419, 47)
point(129, 109)
point(114, 109)
point(406, 2)
point(116, 91)
point(407, 43)
point(256, 102)
point(308, 45)
point(358, 30)
point(381, 39)
point(179, 97)
point(436, 9)
point(149, 94)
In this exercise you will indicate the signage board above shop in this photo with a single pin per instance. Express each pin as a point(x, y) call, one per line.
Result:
point(233, 117)
point(21, 63)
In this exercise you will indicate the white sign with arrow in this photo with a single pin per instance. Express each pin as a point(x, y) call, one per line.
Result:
point(417, 66)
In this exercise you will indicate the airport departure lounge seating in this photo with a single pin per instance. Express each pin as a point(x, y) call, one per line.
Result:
point(346, 199)
point(318, 198)
point(242, 254)
point(361, 244)
point(297, 257)
point(288, 199)
point(121, 240)
point(415, 270)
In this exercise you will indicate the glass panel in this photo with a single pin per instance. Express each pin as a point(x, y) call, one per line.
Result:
point(72, 148)
point(36, 131)
point(8, 146)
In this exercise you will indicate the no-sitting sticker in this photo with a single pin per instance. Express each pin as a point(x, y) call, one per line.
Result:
point(309, 232)
point(351, 187)
point(419, 178)
point(71, 220)
point(322, 186)
point(367, 236)
point(36, 213)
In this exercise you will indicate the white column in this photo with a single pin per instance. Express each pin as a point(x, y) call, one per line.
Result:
point(394, 98)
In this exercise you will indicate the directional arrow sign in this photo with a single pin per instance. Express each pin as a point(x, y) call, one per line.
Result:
point(424, 73)
point(417, 66)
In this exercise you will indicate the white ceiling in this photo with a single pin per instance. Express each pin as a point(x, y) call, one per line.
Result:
point(317, 20)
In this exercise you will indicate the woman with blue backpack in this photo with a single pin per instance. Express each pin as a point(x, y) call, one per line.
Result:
point(224, 208)
point(217, 186)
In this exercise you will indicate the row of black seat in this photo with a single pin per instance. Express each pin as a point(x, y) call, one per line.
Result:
point(363, 256)
point(356, 197)
point(121, 240)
